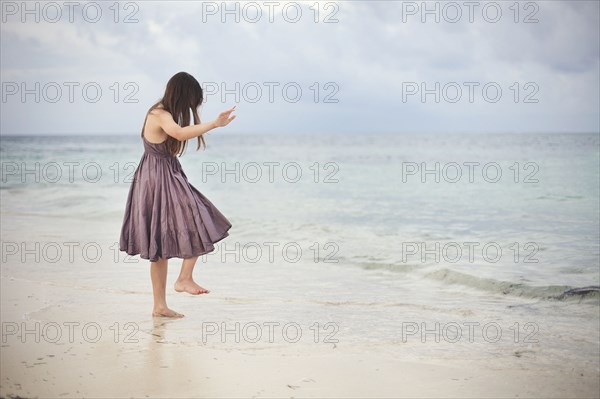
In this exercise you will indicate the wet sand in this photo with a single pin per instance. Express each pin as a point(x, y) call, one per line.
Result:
point(149, 358)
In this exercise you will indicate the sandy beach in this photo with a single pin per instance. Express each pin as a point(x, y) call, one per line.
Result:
point(96, 361)
point(407, 204)
point(350, 317)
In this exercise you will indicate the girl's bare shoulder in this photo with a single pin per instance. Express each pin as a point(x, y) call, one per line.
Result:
point(158, 110)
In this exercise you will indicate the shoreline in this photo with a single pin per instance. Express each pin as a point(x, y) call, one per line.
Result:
point(159, 364)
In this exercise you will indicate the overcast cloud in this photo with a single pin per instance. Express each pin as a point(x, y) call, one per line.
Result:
point(367, 59)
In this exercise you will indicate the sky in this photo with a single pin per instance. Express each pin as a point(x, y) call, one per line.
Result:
point(294, 67)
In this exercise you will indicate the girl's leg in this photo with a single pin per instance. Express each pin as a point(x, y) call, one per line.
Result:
point(158, 274)
point(185, 281)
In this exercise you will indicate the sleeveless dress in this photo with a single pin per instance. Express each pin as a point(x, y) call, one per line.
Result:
point(165, 215)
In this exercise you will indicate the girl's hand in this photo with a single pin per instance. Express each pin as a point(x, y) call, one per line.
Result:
point(224, 118)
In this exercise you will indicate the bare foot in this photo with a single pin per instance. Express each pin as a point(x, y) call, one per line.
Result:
point(190, 287)
point(165, 312)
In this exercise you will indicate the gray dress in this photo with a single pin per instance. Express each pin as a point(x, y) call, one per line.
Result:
point(165, 215)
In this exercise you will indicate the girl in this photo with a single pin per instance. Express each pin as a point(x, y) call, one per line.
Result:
point(165, 216)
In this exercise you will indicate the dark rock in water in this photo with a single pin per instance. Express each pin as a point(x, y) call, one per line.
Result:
point(582, 291)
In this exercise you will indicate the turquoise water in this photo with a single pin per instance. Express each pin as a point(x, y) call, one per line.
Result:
point(543, 210)
point(339, 227)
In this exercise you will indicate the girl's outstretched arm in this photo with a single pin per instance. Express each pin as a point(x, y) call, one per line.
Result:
point(187, 132)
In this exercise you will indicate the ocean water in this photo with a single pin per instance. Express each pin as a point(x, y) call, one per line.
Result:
point(376, 234)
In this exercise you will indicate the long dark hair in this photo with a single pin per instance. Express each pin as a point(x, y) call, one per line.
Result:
point(183, 93)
